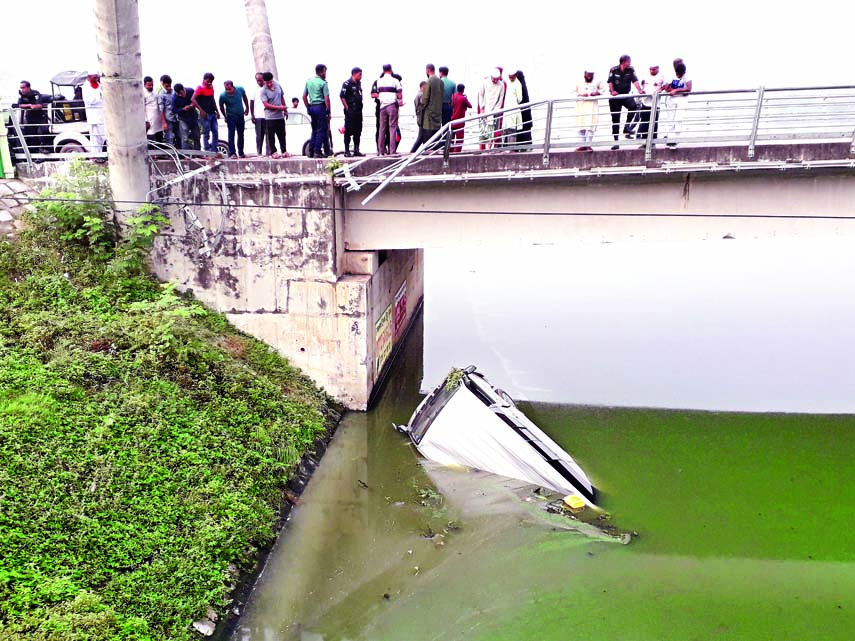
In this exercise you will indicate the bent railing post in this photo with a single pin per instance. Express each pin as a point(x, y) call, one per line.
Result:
point(756, 124)
point(547, 135)
point(652, 128)
point(20, 134)
point(446, 151)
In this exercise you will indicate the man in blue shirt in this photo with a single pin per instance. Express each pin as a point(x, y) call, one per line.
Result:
point(235, 107)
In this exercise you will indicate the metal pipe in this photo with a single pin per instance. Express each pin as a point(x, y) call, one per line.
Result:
point(652, 127)
point(756, 124)
point(547, 135)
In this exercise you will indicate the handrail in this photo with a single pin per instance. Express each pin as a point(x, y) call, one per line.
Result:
point(745, 117)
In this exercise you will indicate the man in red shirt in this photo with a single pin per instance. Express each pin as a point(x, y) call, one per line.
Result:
point(203, 100)
point(459, 104)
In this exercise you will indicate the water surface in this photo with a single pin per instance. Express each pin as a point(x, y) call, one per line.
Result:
point(743, 519)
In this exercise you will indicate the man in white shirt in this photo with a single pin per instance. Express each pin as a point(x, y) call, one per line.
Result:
point(588, 109)
point(651, 84)
point(93, 100)
point(153, 119)
point(390, 97)
point(675, 93)
point(491, 97)
point(256, 111)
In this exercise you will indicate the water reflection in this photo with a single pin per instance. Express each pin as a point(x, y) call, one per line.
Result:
point(737, 325)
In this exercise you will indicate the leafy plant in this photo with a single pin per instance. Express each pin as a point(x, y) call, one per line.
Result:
point(454, 379)
point(333, 165)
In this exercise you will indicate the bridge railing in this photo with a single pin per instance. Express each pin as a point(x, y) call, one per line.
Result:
point(748, 117)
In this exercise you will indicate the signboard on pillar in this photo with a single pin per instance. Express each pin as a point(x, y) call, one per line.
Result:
point(400, 311)
point(383, 331)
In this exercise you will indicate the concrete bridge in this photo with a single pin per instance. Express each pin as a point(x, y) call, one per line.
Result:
point(296, 259)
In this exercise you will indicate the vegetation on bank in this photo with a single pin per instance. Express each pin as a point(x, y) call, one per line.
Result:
point(144, 443)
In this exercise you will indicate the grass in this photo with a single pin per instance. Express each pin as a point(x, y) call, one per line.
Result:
point(144, 442)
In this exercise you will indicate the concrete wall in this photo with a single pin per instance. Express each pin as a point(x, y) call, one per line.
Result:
point(277, 269)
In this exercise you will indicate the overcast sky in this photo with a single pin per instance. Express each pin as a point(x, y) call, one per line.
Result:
point(729, 44)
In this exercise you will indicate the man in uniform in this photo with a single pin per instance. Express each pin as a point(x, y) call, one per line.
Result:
point(351, 100)
point(316, 97)
point(621, 80)
point(33, 110)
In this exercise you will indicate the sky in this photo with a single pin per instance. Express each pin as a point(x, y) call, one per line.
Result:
point(726, 45)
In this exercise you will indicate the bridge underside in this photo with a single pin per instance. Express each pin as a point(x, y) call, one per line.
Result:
point(671, 200)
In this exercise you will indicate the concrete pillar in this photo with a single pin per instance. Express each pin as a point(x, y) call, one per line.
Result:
point(118, 36)
point(279, 274)
point(262, 41)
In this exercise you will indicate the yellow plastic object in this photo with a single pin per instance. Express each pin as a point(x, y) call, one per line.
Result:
point(574, 503)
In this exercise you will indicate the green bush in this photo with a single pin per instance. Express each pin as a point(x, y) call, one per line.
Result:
point(144, 443)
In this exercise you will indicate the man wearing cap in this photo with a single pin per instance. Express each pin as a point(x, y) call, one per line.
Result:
point(491, 97)
point(351, 100)
point(588, 109)
point(93, 100)
point(651, 84)
point(621, 80)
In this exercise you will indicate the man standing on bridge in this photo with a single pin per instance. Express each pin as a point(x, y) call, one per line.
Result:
point(432, 95)
point(351, 99)
point(389, 98)
point(316, 97)
point(33, 111)
point(621, 80)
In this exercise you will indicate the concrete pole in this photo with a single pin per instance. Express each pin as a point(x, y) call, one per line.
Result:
point(262, 42)
point(118, 36)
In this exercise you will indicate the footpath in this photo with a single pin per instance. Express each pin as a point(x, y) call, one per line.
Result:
point(14, 198)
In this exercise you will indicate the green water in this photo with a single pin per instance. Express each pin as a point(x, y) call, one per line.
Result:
point(745, 533)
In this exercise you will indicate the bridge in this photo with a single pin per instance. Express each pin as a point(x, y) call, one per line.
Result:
point(329, 268)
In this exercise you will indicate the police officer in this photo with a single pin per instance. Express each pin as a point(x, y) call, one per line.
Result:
point(351, 100)
point(33, 108)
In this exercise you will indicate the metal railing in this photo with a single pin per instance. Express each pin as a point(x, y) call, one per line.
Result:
point(746, 118)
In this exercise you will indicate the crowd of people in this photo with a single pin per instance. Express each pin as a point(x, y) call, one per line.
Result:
point(189, 118)
point(642, 120)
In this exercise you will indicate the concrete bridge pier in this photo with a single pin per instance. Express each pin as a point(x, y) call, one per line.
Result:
point(266, 249)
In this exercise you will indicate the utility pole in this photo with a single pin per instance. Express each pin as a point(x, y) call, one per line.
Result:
point(262, 42)
point(118, 37)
